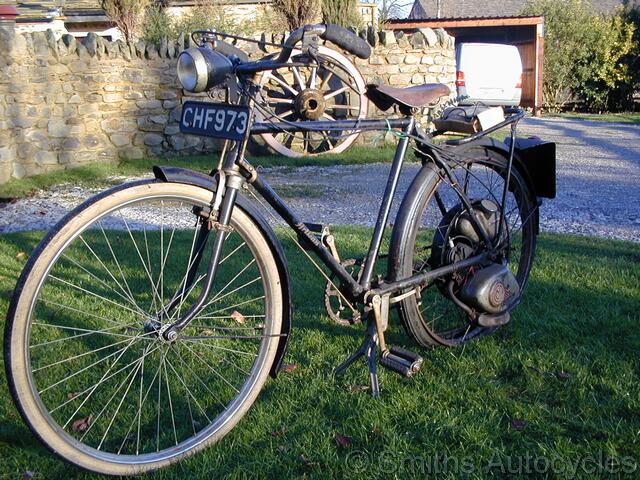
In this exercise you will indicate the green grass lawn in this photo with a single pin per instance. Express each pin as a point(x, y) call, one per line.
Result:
point(603, 117)
point(560, 382)
point(101, 174)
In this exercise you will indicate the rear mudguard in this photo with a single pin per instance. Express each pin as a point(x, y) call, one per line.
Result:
point(535, 159)
point(407, 208)
point(189, 177)
point(535, 162)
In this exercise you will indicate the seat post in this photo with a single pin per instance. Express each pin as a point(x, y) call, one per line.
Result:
point(385, 207)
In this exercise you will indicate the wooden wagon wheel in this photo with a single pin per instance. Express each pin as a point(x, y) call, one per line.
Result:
point(332, 90)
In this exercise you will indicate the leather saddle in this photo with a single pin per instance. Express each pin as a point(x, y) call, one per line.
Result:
point(384, 96)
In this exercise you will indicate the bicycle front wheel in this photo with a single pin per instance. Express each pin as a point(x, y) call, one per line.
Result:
point(87, 367)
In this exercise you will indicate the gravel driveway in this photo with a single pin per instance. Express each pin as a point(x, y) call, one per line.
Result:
point(598, 185)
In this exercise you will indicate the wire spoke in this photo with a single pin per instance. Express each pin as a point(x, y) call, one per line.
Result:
point(211, 368)
point(125, 298)
point(218, 347)
point(97, 362)
point(127, 293)
point(105, 331)
point(100, 297)
point(155, 295)
point(216, 297)
point(187, 390)
point(73, 309)
point(173, 420)
point(130, 376)
point(221, 317)
point(237, 305)
point(96, 385)
point(115, 258)
point(141, 401)
point(75, 357)
point(202, 382)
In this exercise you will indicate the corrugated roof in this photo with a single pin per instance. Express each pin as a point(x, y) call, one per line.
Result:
point(464, 22)
point(483, 8)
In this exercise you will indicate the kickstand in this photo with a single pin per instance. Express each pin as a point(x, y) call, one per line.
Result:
point(367, 350)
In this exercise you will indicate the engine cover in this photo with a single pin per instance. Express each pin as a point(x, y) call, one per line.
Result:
point(493, 289)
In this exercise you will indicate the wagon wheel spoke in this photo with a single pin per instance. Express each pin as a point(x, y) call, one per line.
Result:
point(298, 77)
point(336, 87)
point(335, 93)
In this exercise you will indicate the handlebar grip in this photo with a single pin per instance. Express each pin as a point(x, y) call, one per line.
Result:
point(227, 50)
point(347, 40)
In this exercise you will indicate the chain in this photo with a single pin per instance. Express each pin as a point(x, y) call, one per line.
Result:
point(295, 241)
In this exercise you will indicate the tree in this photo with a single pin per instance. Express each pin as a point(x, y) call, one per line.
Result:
point(610, 79)
point(341, 12)
point(392, 9)
point(568, 40)
point(584, 53)
point(297, 13)
point(126, 14)
point(631, 13)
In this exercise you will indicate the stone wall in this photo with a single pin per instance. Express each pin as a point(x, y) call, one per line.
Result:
point(65, 103)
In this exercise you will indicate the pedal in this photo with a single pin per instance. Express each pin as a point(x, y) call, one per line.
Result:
point(406, 354)
point(401, 361)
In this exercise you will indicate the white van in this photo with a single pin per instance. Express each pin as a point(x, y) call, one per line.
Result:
point(488, 73)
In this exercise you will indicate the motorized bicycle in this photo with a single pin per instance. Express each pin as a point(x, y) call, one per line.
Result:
point(147, 321)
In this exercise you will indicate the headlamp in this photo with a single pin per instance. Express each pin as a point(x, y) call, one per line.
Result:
point(201, 68)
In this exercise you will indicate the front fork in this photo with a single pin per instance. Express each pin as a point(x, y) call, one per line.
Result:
point(219, 219)
point(230, 181)
point(222, 225)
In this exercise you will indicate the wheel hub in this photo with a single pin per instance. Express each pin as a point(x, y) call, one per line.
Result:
point(310, 104)
point(155, 328)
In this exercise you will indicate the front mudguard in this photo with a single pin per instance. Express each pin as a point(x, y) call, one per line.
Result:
point(189, 177)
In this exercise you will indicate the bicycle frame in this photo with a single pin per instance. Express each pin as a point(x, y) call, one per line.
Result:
point(234, 170)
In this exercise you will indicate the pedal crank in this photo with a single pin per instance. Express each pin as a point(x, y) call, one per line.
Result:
point(396, 359)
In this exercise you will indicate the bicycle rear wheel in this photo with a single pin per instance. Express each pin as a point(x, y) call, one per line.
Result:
point(88, 370)
point(426, 237)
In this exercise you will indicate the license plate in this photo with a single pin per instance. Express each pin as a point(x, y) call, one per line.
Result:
point(218, 120)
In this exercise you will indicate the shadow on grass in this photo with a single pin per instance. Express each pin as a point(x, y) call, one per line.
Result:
point(566, 367)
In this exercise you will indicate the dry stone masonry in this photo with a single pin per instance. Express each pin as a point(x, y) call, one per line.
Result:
point(66, 102)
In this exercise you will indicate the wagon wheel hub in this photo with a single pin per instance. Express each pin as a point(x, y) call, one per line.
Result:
point(310, 104)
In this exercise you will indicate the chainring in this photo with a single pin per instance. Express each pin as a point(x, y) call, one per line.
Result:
point(336, 309)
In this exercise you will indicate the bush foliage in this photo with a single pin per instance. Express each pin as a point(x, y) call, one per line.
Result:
point(126, 14)
point(341, 12)
point(587, 55)
point(203, 16)
point(297, 13)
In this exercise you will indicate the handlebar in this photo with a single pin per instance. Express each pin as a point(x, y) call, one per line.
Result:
point(347, 40)
point(342, 37)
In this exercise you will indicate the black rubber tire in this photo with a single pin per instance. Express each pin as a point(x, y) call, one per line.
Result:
point(401, 259)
